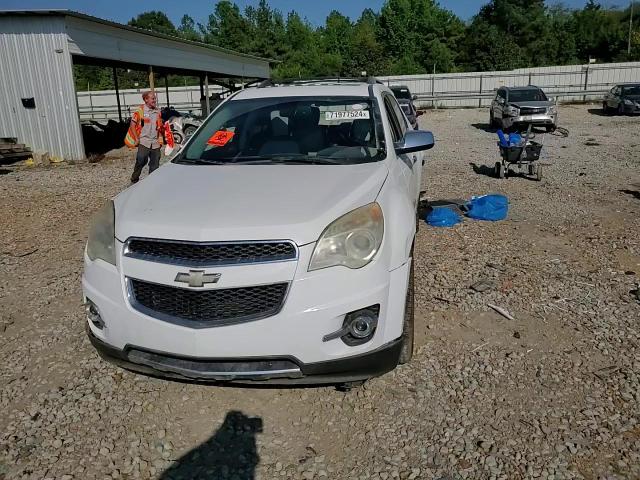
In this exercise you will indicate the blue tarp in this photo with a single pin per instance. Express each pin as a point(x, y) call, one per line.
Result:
point(443, 217)
point(489, 207)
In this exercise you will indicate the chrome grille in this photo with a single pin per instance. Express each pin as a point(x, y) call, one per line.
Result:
point(209, 254)
point(207, 308)
point(532, 110)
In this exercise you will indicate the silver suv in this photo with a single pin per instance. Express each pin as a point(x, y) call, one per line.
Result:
point(516, 107)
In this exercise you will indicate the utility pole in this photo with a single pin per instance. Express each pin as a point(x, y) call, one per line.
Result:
point(630, 26)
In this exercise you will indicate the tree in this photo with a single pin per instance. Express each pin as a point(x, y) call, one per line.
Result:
point(365, 52)
point(267, 29)
point(187, 29)
point(336, 35)
point(301, 49)
point(418, 34)
point(599, 33)
point(155, 21)
point(227, 28)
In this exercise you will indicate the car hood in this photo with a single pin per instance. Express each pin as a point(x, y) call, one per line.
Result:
point(535, 104)
point(635, 98)
point(244, 202)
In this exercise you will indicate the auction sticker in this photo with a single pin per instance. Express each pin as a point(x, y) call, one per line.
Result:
point(220, 138)
point(352, 115)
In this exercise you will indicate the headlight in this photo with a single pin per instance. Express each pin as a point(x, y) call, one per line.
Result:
point(552, 110)
point(351, 241)
point(628, 102)
point(101, 243)
point(512, 111)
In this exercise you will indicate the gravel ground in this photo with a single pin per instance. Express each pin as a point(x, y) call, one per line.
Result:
point(552, 394)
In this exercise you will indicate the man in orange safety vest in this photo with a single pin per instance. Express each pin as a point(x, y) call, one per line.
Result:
point(145, 132)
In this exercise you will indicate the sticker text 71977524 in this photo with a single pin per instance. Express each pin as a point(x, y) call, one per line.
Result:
point(343, 115)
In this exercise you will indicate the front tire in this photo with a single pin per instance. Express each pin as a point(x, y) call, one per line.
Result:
point(408, 330)
point(189, 130)
point(178, 138)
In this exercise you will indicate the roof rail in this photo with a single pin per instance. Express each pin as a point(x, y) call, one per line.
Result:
point(315, 80)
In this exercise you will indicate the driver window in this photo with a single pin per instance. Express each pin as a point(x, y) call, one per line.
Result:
point(396, 131)
point(402, 119)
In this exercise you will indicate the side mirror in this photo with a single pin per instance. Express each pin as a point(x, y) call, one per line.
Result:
point(415, 97)
point(419, 113)
point(415, 141)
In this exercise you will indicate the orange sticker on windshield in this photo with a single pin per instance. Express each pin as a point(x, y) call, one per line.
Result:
point(220, 138)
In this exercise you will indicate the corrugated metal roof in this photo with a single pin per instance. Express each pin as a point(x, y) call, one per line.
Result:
point(83, 16)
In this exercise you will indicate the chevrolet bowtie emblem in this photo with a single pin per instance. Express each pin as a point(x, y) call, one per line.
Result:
point(197, 278)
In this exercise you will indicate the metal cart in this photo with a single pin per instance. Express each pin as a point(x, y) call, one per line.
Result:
point(523, 157)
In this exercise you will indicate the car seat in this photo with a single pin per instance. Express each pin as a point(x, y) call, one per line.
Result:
point(305, 129)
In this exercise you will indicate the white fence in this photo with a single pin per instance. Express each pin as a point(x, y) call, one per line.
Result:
point(475, 89)
point(102, 104)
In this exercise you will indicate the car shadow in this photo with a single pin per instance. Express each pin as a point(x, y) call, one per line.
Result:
point(483, 170)
point(426, 206)
point(485, 127)
point(634, 193)
point(490, 172)
point(598, 112)
point(231, 452)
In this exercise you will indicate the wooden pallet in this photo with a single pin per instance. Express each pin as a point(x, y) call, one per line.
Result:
point(11, 150)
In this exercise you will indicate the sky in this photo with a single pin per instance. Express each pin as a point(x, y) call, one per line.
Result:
point(315, 11)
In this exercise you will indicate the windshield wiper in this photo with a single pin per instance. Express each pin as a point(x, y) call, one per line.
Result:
point(198, 161)
point(294, 159)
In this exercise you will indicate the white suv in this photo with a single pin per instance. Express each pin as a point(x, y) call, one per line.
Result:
point(275, 247)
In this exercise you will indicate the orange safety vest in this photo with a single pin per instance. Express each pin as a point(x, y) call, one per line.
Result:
point(132, 140)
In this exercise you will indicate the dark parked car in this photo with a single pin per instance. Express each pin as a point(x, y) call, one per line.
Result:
point(623, 99)
point(405, 99)
point(410, 111)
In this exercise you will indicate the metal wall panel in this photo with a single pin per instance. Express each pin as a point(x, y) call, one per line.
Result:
point(35, 62)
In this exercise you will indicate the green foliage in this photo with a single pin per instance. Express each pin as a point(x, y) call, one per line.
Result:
point(155, 21)
point(188, 30)
point(405, 37)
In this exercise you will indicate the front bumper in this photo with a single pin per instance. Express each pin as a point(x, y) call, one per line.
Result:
point(632, 109)
point(543, 120)
point(277, 371)
point(316, 305)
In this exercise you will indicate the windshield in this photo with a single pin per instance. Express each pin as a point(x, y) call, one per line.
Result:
point(631, 91)
point(401, 93)
point(528, 95)
point(331, 130)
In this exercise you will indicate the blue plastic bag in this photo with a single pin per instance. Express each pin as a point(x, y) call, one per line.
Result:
point(503, 140)
point(515, 140)
point(489, 207)
point(443, 217)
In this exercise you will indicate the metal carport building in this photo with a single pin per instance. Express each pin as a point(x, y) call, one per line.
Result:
point(38, 103)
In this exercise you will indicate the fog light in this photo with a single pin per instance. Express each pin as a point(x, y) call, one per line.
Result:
point(358, 327)
point(93, 314)
point(363, 324)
